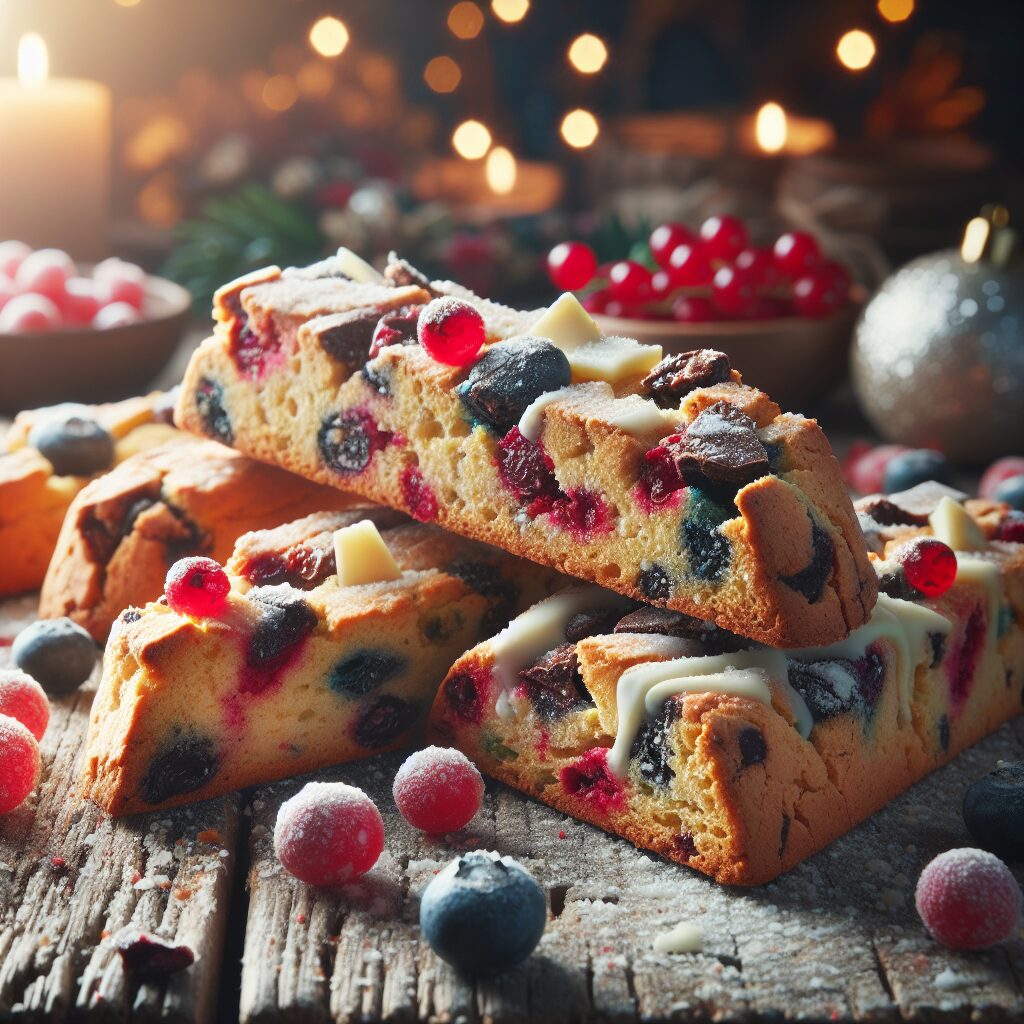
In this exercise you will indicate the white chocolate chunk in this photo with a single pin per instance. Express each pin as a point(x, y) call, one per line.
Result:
point(612, 359)
point(952, 525)
point(531, 423)
point(362, 556)
point(566, 324)
point(641, 417)
point(684, 938)
point(357, 268)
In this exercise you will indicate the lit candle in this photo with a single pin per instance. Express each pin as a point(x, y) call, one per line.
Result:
point(774, 132)
point(54, 157)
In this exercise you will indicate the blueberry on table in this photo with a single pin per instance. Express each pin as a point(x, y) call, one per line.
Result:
point(1012, 492)
point(994, 811)
point(75, 445)
point(910, 468)
point(57, 653)
point(483, 913)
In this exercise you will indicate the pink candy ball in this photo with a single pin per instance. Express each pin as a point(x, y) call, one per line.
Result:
point(12, 253)
point(80, 302)
point(117, 314)
point(328, 833)
point(45, 272)
point(438, 790)
point(118, 280)
point(22, 698)
point(29, 313)
point(19, 763)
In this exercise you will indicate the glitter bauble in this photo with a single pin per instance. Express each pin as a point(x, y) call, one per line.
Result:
point(938, 358)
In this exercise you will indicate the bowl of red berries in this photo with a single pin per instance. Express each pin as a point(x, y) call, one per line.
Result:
point(783, 313)
point(81, 332)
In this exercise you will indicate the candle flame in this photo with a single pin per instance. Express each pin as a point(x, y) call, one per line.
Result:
point(501, 170)
point(33, 60)
point(771, 128)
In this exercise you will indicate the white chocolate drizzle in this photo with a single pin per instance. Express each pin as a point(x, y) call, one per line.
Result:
point(531, 423)
point(985, 574)
point(683, 938)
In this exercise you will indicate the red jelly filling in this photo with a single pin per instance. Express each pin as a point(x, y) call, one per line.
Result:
point(964, 656)
point(590, 779)
point(418, 495)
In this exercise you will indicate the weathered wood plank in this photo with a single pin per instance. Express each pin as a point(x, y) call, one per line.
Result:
point(70, 879)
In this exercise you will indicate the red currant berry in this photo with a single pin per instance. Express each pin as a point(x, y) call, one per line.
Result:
point(597, 302)
point(571, 265)
point(821, 292)
point(795, 253)
point(451, 331)
point(724, 237)
point(692, 309)
point(1000, 470)
point(689, 266)
point(968, 899)
point(768, 308)
point(928, 564)
point(1011, 527)
point(19, 763)
point(328, 833)
point(665, 238)
point(629, 282)
point(197, 587)
point(22, 698)
point(760, 265)
point(438, 790)
point(661, 285)
point(732, 291)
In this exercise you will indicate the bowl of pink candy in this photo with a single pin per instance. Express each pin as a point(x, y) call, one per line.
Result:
point(81, 332)
point(783, 313)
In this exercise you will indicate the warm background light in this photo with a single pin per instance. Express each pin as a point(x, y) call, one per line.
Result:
point(328, 36)
point(588, 54)
point(127, 3)
point(465, 20)
point(471, 140)
point(280, 92)
point(501, 170)
point(33, 60)
point(442, 74)
point(580, 128)
point(855, 50)
point(510, 10)
point(895, 10)
point(771, 128)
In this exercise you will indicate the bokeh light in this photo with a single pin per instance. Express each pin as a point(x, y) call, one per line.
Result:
point(280, 92)
point(471, 140)
point(501, 170)
point(771, 128)
point(465, 20)
point(895, 10)
point(855, 50)
point(580, 128)
point(127, 3)
point(588, 54)
point(442, 74)
point(328, 36)
point(510, 10)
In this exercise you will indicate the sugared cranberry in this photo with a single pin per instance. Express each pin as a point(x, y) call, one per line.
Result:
point(795, 252)
point(80, 303)
point(590, 779)
point(732, 291)
point(1011, 527)
point(571, 265)
point(19, 763)
point(968, 899)
point(928, 564)
point(693, 309)
point(724, 237)
point(23, 699)
point(629, 282)
point(665, 238)
point(328, 833)
point(528, 471)
point(451, 331)
point(438, 790)
point(1000, 470)
point(418, 495)
point(821, 291)
point(689, 266)
point(197, 587)
point(120, 281)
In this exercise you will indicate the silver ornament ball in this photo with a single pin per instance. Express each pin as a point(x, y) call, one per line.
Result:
point(938, 358)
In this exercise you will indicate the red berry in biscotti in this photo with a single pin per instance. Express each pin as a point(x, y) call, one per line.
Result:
point(197, 587)
point(928, 565)
point(438, 790)
point(451, 331)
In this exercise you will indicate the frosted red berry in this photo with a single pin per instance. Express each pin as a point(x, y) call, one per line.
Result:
point(928, 565)
point(197, 586)
point(665, 238)
point(451, 331)
point(629, 282)
point(438, 790)
point(693, 309)
point(29, 313)
point(795, 252)
point(1011, 527)
point(724, 236)
point(968, 899)
point(689, 266)
point(120, 281)
point(571, 265)
point(80, 302)
point(1000, 470)
point(22, 698)
point(19, 763)
point(661, 285)
point(328, 833)
point(732, 291)
point(116, 314)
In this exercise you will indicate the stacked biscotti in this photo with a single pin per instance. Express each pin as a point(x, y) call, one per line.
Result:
point(729, 690)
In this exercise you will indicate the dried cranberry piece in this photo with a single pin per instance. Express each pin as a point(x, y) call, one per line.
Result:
point(418, 495)
point(583, 513)
point(528, 471)
point(590, 779)
point(384, 722)
point(151, 959)
point(395, 328)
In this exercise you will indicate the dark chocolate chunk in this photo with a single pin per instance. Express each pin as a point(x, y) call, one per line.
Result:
point(679, 374)
point(554, 684)
point(595, 622)
point(753, 749)
point(397, 327)
point(708, 638)
point(720, 446)
point(810, 581)
point(347, 341)
point(911, 507)
point(185, 763)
